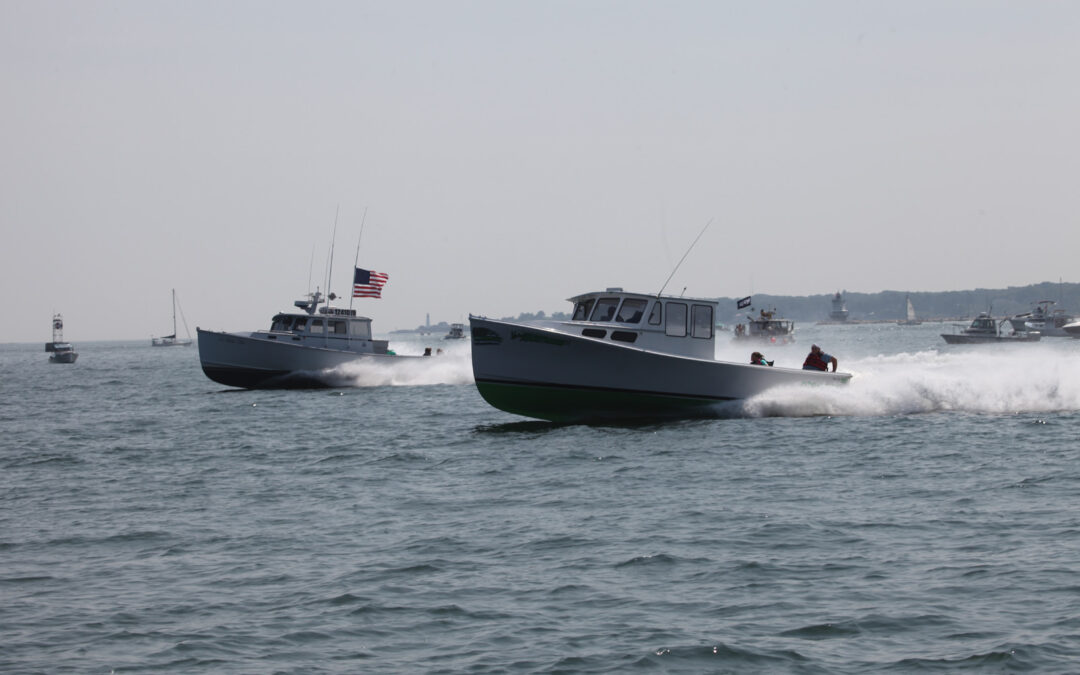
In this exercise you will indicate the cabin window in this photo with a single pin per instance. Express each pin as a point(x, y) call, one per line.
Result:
point(335, 327)
point(623, 336)
point(281, 323)
point(300, 324)
point(316, 326)
point(702, 321)
point(582, 309)
point(605, 309)
point(594, 332)
point(631, 310)
point(655, 314)
point(676, 319)
point(360, 329)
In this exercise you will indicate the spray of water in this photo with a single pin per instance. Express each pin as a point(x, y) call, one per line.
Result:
point(983, 379)
point(452, 366)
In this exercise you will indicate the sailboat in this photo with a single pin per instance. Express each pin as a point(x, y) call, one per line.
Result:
point(172, 340)
point(910, 320)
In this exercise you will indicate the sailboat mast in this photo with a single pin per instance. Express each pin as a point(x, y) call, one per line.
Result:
point(174, 312)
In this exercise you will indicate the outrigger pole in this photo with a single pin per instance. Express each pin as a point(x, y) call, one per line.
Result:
point(356, 260)
point(684, 258)
point(330, 266)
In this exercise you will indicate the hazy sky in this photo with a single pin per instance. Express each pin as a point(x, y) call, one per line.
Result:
point(512, 154)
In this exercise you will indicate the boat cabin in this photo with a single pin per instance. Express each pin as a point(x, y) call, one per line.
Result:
point(675, 325)
point(332, 327)
point(983, 323)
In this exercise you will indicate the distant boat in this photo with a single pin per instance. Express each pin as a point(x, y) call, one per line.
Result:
point(61, 352)
point(766, 328)
point(172, 340)
point(1043, 318)
point(911, 320)
point(457, 332)
point(986, 328)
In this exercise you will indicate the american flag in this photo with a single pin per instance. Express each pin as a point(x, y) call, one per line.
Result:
point(368, 283)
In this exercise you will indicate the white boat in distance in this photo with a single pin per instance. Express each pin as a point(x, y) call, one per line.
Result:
point(172, 340)
point(987, 329)
point(296, 352)
point(766, 327)
point(457, 332)
point(620, 356)
point(1044, 318)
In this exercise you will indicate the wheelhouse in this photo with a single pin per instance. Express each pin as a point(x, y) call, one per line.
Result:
point(663, 323)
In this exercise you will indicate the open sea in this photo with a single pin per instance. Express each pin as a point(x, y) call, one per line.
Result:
point(923, 518)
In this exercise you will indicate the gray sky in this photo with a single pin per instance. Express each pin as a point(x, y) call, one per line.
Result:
point(512, 154)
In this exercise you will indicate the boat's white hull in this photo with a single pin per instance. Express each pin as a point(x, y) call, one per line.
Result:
point(550, 374)
point(1045, 328)
point(170, 342)
point(258, 362)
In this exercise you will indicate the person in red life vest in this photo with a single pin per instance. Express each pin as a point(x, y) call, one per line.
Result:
point(819, 360)
point(758, 359)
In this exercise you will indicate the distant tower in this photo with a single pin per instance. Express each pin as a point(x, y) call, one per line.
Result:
point(839, 308)
point(427, 320)
point(57, 333)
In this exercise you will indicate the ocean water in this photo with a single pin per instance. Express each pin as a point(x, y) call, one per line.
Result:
point(923, 518)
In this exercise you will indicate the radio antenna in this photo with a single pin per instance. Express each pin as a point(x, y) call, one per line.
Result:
point(356, 260)
point(684, 258)
point(330, 263)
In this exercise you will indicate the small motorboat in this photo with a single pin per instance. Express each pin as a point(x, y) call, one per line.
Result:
point(457, 332)
point(1044, 318)
point(986, 328)
point(766, 327)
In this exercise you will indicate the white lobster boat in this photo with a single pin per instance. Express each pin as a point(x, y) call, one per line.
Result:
point(621, 355)
point(297, 350)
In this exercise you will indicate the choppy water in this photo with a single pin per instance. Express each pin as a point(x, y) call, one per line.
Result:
point(921, 519)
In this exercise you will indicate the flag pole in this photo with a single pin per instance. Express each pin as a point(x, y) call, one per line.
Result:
point(356, 260)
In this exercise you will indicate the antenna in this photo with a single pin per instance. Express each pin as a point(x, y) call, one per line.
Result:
point(311, 266)
point(356, 260)
point(684, 257)
point(330, 265)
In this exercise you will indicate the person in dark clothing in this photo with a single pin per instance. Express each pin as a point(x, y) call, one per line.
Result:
point(758, 359)
point(819, 360)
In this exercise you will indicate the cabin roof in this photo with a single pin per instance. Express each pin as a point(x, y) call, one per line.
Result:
point(618, 292)
point(305, 315)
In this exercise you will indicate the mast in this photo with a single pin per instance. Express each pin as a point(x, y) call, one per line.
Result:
point(174, 312)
